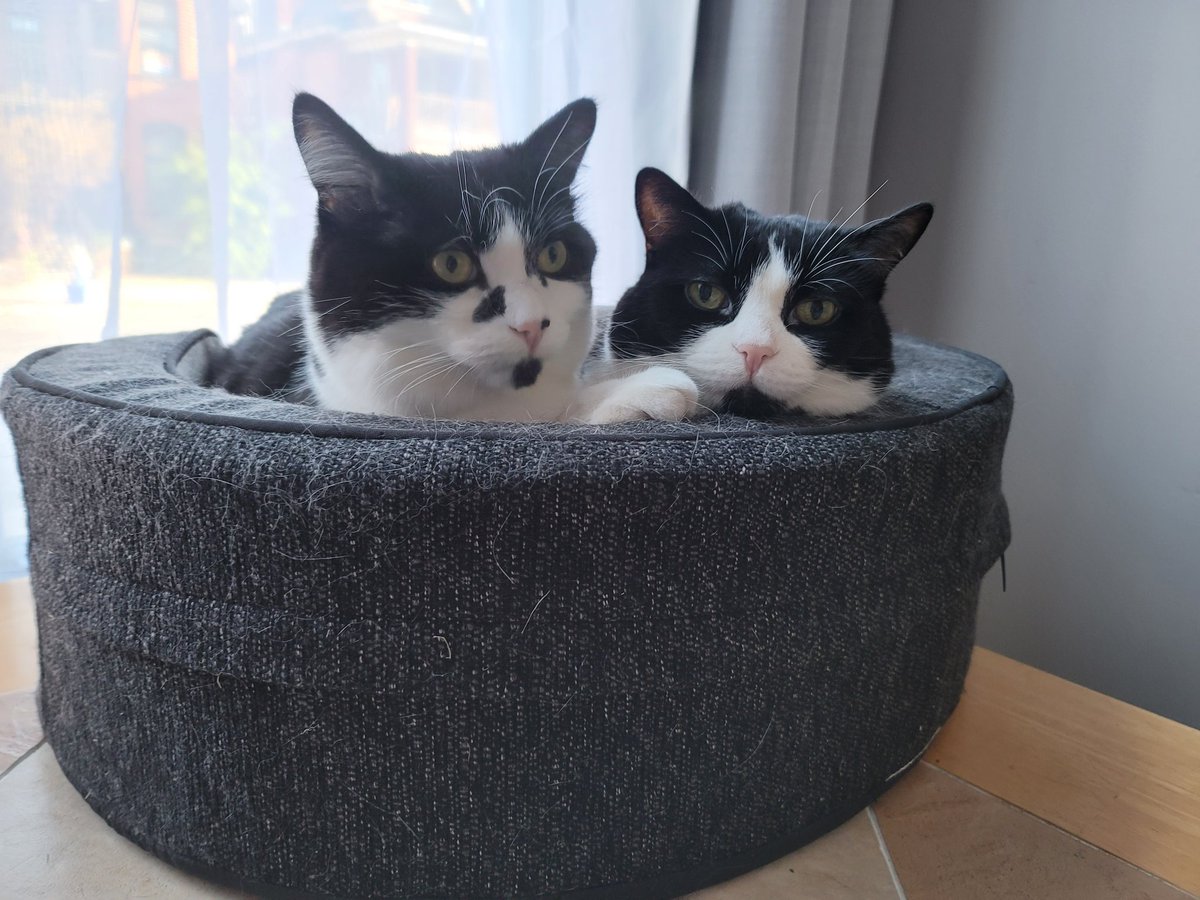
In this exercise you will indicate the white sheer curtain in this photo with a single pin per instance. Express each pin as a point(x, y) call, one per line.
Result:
point(148, 176)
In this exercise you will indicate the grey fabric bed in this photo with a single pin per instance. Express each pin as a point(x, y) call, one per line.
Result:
point(315, 652)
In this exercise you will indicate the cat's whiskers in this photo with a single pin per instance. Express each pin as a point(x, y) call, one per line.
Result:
point(411, 362)
point(745, 240)
point(546, 161)
point(728, 233)
point(493, 201)
point(827, 281)
point(550, 199)
point(390, 353)
point(460, 170)
point(399, 372)
point(299, 326)
point(325, 312)
point(808, 218)
point(549, 224)
point(469, 369)
point(640, 362)
point(408, 364)
point(428, 377)
point(827, 233)
point(827, 254)
point(421, 380)
point(540, 205)
point(717, 245)
point(844, 262)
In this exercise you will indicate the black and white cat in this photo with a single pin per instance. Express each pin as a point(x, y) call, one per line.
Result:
point(768, 315)
point(451, 286)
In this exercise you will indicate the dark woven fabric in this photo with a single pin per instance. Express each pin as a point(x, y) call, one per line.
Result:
point(375, 657)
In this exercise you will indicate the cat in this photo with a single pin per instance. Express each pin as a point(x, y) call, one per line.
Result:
point(768, 315)
point(451, 286)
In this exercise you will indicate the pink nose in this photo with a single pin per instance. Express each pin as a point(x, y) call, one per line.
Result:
point(531, 332)
point(754, 355)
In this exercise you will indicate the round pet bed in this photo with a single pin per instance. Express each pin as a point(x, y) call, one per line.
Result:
point(357, 656)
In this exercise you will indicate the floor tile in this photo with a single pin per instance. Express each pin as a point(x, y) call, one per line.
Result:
point(846, 864)
point(52, 845)
point(19, 726)
point(950, 841)
point(18, 637)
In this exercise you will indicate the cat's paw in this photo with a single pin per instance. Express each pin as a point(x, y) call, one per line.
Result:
point(660, 393)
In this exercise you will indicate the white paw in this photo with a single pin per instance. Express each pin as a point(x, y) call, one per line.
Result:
point(660, 393)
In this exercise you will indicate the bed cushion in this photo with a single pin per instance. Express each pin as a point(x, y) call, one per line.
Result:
point(352, 655)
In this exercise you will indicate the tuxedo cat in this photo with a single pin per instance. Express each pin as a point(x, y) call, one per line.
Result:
point(451, 286)
point(767, 315)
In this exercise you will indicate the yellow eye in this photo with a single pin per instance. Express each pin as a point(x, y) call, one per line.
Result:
point(705, 296)
point(815, 312)
point(454, 266)
point(552, 258)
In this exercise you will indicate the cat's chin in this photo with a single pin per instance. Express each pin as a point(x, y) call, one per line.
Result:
point(751, 403)
point(518, 373)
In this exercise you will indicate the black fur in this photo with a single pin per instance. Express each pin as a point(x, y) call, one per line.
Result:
point(267, 359)
point(526, 372)
point(751, 403)
point(490, 306)
point(686, 242)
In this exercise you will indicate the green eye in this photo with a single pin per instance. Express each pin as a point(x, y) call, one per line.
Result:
point(814, 312)
point(454, 266)
point(552, 258)
point(705, 296)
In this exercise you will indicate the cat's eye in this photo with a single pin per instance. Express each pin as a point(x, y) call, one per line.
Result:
point(814, 312)
point(454, 266)
point(552, 258)
point(706, 296)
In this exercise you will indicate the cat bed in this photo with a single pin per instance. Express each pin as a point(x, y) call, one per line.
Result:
point(306, 651)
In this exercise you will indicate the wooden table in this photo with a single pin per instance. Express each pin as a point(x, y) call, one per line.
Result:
point(1036, 788)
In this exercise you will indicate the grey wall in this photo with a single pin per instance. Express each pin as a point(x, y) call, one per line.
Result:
point(1060, 141)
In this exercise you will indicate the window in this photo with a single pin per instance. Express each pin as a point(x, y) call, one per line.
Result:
point(103, 24)
point(420, 75)
point(158, 32)
point(26, 51)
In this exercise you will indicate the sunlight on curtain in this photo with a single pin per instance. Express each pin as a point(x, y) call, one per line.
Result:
point(149, 180)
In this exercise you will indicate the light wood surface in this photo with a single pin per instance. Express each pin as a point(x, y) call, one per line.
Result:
point(1112, 774)
point(18, 637)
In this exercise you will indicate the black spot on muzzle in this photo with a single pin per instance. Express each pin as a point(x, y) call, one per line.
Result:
point(526, 372)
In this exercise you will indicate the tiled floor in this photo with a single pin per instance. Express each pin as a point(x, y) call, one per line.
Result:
point(18, 637)
point(19, 726)
point(934, 836)
point(846, 864)
point(52, 845)
point(949, 840)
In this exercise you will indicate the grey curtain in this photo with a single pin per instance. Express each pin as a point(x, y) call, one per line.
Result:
point(784, 102)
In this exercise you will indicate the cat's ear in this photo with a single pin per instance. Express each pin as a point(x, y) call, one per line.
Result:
point(664, 207)
point(343, 167)
point(558, 144)
point(887, 241)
